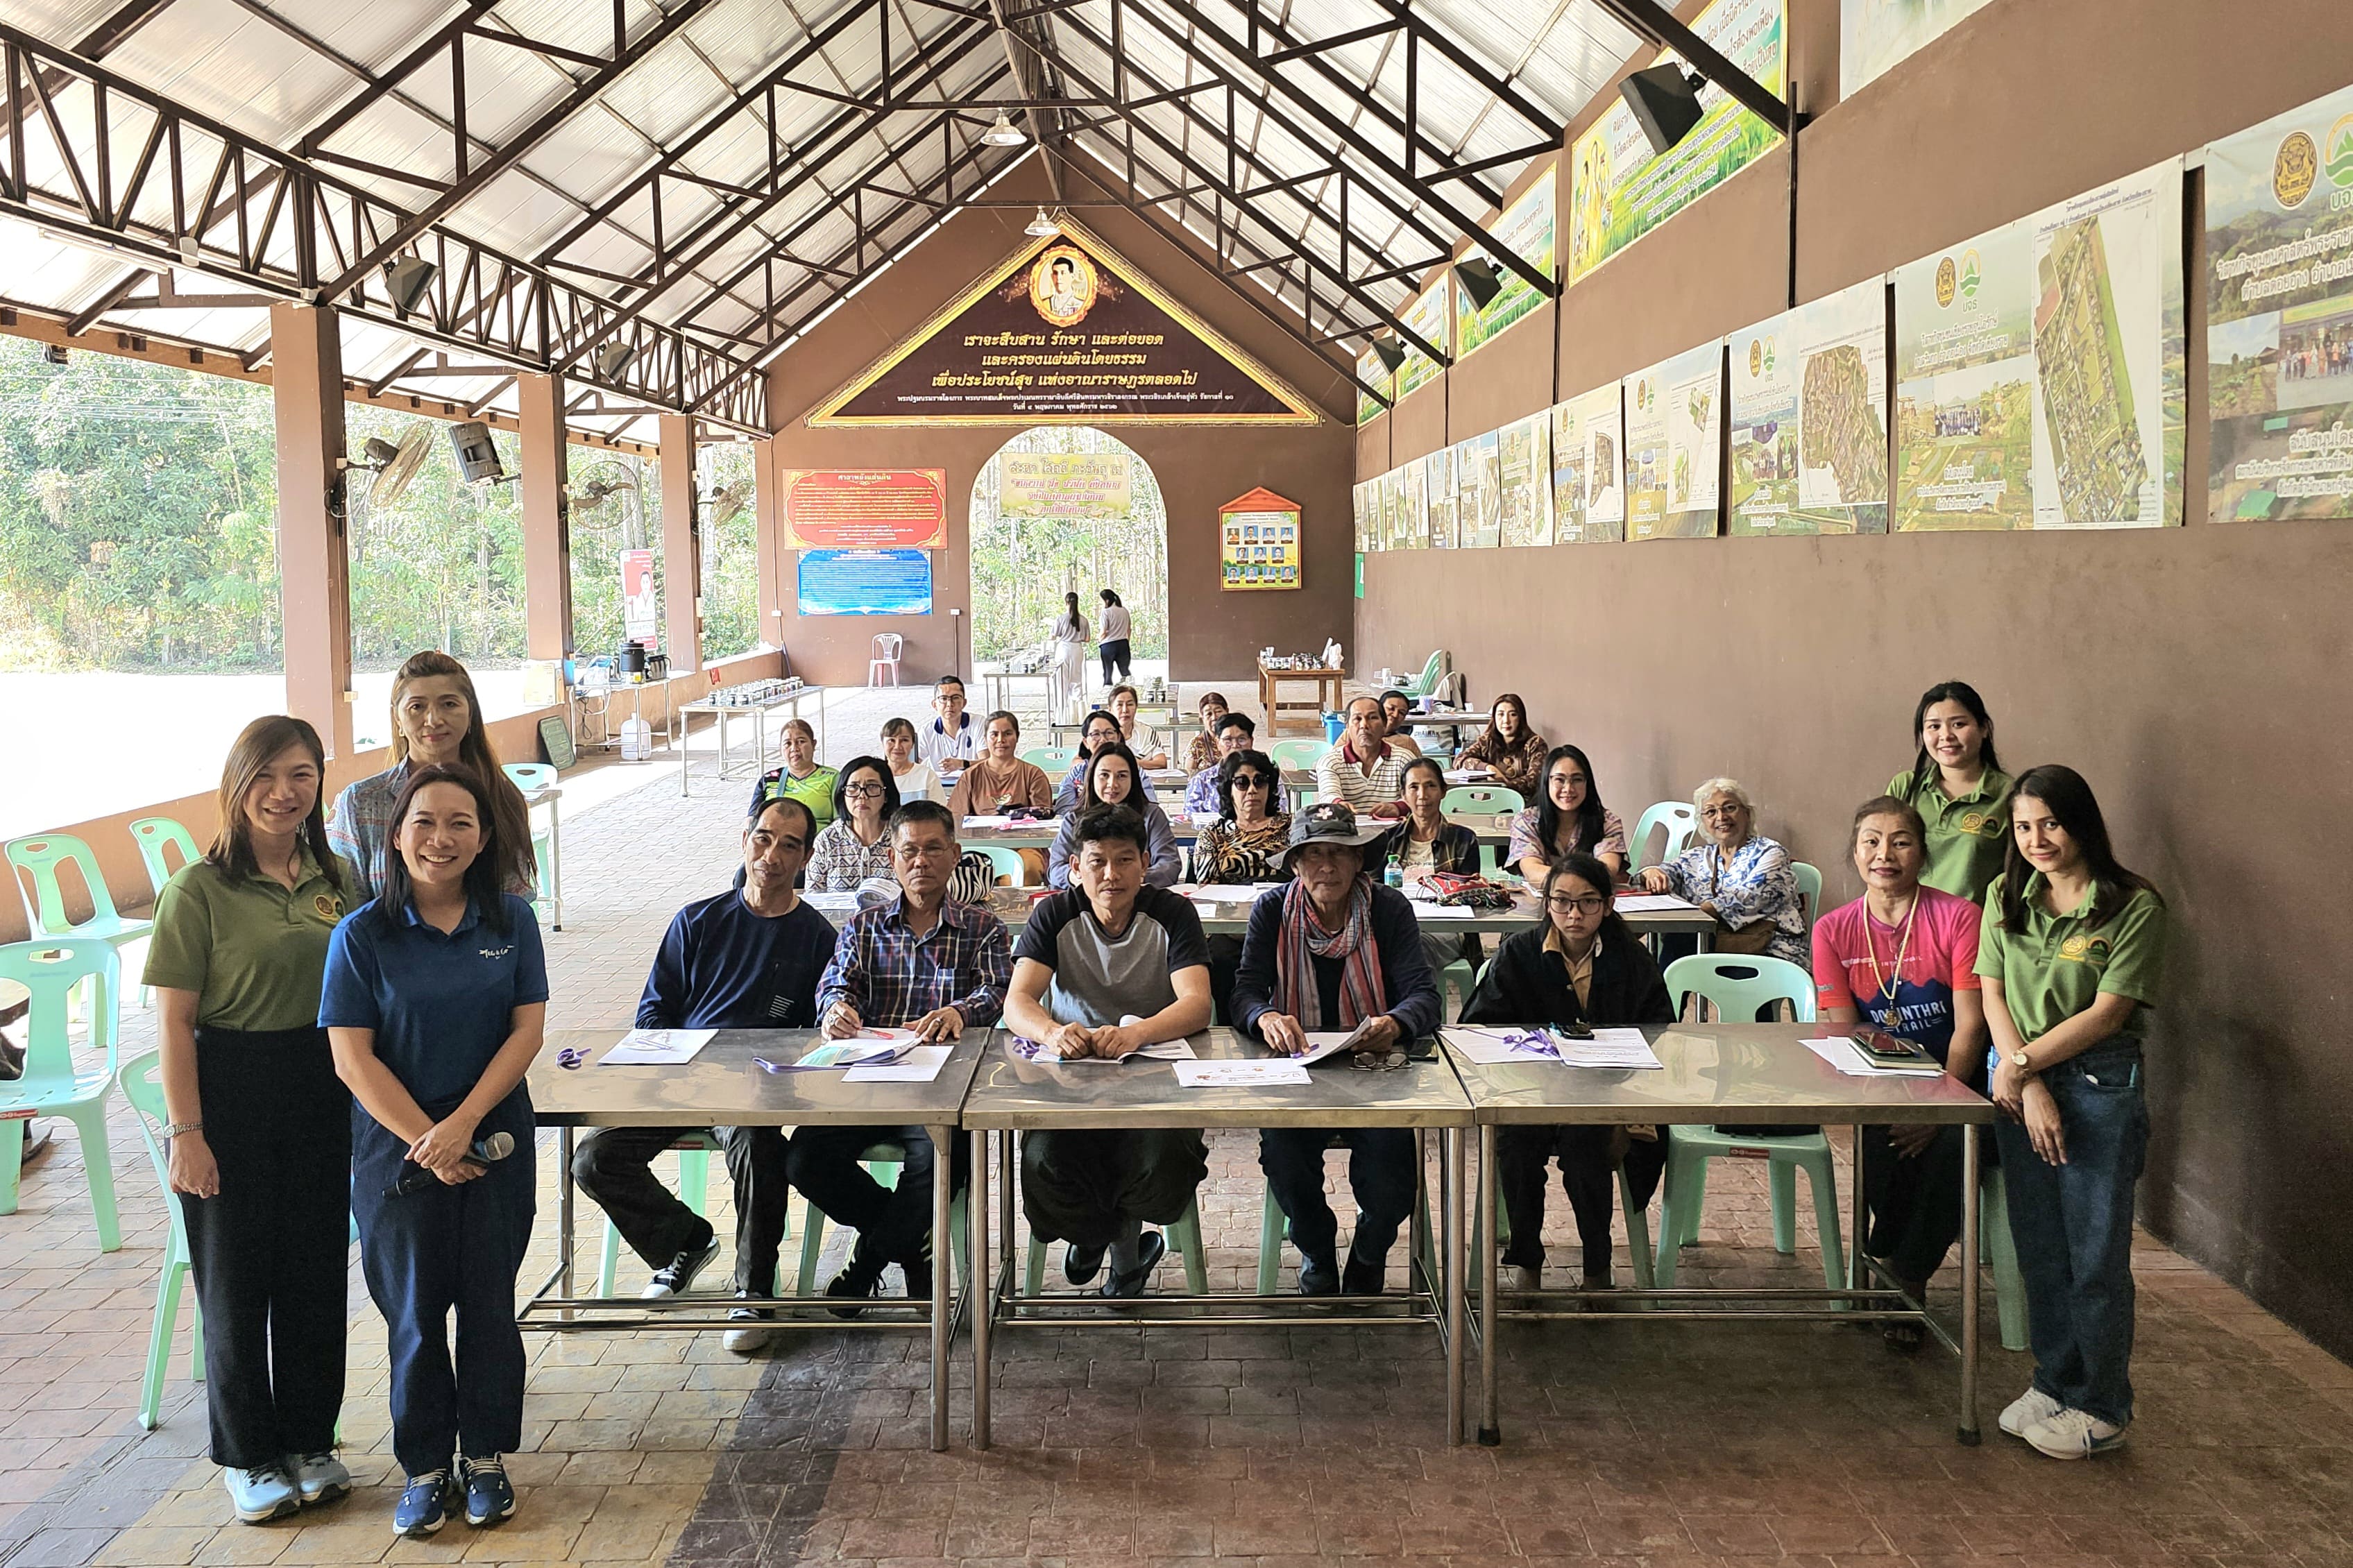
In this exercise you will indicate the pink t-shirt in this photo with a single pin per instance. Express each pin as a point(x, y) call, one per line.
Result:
point(1939, 959)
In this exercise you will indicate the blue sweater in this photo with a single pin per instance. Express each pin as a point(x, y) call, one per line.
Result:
point(723, 967)
point(1404, 969)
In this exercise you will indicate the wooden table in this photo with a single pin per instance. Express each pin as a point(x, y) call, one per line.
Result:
point(1270, 696)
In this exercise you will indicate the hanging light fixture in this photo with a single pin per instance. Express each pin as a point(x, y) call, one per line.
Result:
point(1041, 227)
point(1005, 134)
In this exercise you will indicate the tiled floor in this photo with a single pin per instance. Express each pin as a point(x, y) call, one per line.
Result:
point(1668, 1444)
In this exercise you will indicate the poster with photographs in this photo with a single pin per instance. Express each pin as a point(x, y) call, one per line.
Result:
point(1524, 465)
point(1479, 485)
point(1589, 486)
point(1440, 483)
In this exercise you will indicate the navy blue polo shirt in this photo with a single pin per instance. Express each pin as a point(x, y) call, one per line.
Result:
point(439, 1002)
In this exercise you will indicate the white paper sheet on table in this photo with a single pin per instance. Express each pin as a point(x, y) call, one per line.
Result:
point(832, 903)
point(1179, 1049)
point(1426, 911)
point(916, 1064)
point(1655, 904)
point(656, 1048)
point(1467, 775)
point(1322, 1043)
point(1848, 1057)
point(1252, 1074)
point(1492, 1048)
point(853, 1050)
point(1618, 1048)
point(988, 822)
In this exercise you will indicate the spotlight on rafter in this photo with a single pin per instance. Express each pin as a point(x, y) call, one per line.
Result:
point(1478, 278)
point(1665, 101)
point(1390, 352)
point(1005, 134)
point(405, 278)
point(54, 353)
point(613, 358)
point(1041, 227)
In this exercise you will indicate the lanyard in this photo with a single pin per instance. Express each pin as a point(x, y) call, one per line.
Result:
point(1879, 983)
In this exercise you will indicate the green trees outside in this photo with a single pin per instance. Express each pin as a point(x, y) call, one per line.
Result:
point(1021, 566)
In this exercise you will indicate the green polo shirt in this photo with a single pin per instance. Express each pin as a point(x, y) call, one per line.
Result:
point(816, 791)
point(2053, 969)
point(1967, 838)
point(251, 949)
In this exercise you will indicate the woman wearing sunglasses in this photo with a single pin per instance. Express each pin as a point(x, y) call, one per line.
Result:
point(1244, 845)
point(1581, 966)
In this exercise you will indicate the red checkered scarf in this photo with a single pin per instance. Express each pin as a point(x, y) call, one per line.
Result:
point(1302, 939)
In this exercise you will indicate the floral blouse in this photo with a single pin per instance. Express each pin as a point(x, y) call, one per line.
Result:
point(1200, 751)
point(1759, 885)
point(1225, 851)
point(838, 862)
point(1519, 767)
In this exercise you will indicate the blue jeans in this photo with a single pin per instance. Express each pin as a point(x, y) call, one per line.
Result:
point(2073, 1225)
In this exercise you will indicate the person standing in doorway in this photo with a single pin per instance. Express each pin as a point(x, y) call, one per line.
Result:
point(1071, 634)
point(1114, 644)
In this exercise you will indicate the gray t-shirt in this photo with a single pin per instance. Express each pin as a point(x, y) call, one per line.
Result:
point(1100, 979)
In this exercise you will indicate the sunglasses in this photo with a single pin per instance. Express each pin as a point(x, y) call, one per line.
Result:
point(1251, 780)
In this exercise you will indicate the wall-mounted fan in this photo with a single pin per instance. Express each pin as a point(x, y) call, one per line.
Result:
point(395, 464)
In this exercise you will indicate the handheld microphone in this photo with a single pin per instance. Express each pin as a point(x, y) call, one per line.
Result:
point(416, 1178)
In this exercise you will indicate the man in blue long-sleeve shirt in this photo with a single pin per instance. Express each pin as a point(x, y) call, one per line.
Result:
point(1332, 952)
point(748, 959)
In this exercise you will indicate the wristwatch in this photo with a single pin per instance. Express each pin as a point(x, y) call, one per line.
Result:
point(2017, 1059)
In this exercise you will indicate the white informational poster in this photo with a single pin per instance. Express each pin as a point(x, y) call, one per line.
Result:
point(1965, 384)
point(1523, 464)
point(1442, 498)
point(1674, 445)
point(1589, 443)
point(1479, 515)
point(1808, 426)
point(1876, 35)
point(1417, 505)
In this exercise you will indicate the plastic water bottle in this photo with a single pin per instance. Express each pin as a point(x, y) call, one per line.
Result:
point(1393, 875)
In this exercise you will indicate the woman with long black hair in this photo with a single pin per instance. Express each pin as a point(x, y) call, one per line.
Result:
point(1113, 644)
point(1567, 816)
point(258, 1126)
point(2072, 955)
point(1956, 785)
point(1069, 666)
point(436, 1001)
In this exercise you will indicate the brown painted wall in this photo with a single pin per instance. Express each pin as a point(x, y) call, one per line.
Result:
point(2193, 674)
point(1213, 635)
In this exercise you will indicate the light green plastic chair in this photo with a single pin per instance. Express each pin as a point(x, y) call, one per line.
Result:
point(36, 862)
point(883, 1162)
point(1433, 670)
point(1482, 797)
point(145, 1089)
point(1995, 1245)
point(1296, 753)
point(1680, 825)
point(1737, 986)
point(1008, 861)
point(527, 777)
point(1810, 890)
point(694, 1148)
point(1274, 1229)
point(1184, 1231)
point(50, 967)
point(1056, 759)
point(155, 835)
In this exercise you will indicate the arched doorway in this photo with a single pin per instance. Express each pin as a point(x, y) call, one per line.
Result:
point(1067, 509)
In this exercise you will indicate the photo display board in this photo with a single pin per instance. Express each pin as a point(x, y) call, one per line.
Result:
point(1809, 430)
point(1588, 476)
point(1675, 446)
point(1259, 542)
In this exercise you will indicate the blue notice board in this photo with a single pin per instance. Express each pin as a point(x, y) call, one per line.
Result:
point(866, 582)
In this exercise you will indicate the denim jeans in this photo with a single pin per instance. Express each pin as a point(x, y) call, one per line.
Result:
point(2073, 1225)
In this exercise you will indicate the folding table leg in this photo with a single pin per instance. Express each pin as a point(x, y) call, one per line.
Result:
point(1490, 1430)
point(943, 1269)
point(984, 1276)
point(1970, 1266)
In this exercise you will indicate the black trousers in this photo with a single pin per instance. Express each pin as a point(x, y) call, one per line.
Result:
point(613, 1165)
point(1588, 1170)
point(1115, 652)
point(1083, 1186)
point(272, 1249)
point(1914, 1203)
point(891, 1221)
point(1381, 1170)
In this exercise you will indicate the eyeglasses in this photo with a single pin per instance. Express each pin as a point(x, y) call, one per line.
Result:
point(861, 791)
point(1588, 904)
point(1251, 780)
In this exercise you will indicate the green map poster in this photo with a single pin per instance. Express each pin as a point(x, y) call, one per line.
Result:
point(1443, 533)
point(1589, 486)
point(1426, 316)
point(1675, 446)
point(1416, 481)
point(2109, 340)
point(1619, 192)
point(1965, 386)
point(1874, 35)
point(1371, 372)
point(2279, 322)
point(1522, 466)
point(1808, 432)
point(1478, 488)
point(1528, 228)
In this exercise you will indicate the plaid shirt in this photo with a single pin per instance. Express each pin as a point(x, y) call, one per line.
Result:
point(358, 827)
point(892, 977)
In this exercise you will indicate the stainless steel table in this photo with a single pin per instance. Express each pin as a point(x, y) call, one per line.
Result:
point(723, 1086)
point(997, 687)
point(1746, 1074)
point(758, 713)
point(1040, 835)
point(1009, 1096)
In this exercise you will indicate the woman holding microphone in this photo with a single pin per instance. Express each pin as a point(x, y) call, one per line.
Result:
point(434, 999)
point(259, 1127)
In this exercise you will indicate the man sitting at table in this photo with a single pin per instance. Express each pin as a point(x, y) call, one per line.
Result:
point(748, 959)
point(1331, 952)
point(1364, 771)
point(1102, 969)
point(949, 741)
point(1395, 706)
point(1235, 733)
point(998, 780)
point(920, 962)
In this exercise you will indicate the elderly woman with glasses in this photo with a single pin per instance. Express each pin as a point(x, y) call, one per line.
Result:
point(1246, 841)
point(1582, 966)
point(1742, 878)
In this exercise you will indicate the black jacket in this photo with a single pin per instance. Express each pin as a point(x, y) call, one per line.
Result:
point(1456, 848)
point(1526, 985)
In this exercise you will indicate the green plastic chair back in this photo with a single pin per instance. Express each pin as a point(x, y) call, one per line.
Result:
point(1008, 861)
point(38, 860)
point(530, 777)
point(1482, 797)
point(155, 835)
point(1433, 669)
point(143, 1088)
point(142, 1083)
point(1301, 755)
point(50, 967)
point(1681, 825)
point(1739, 985)
point(1055, 760)
point(1810, 890)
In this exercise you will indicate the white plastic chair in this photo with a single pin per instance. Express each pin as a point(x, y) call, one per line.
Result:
point(885, 659)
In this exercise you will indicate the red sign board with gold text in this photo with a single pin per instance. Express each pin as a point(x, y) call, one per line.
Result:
point(866, 509)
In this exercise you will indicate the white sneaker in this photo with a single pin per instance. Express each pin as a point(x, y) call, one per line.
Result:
point(2029, 1409)
point(676, 1277)
point(754, 1332)
point(2074, 1435)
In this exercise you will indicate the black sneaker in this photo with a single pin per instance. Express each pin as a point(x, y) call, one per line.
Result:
point(917, 1272)
point(490, 1498)
point(1125, 1284)
point(1318, 1276)
point(861, 1281)
point(676, 1277)
point(1081, 1264)
point(1363, 1277)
